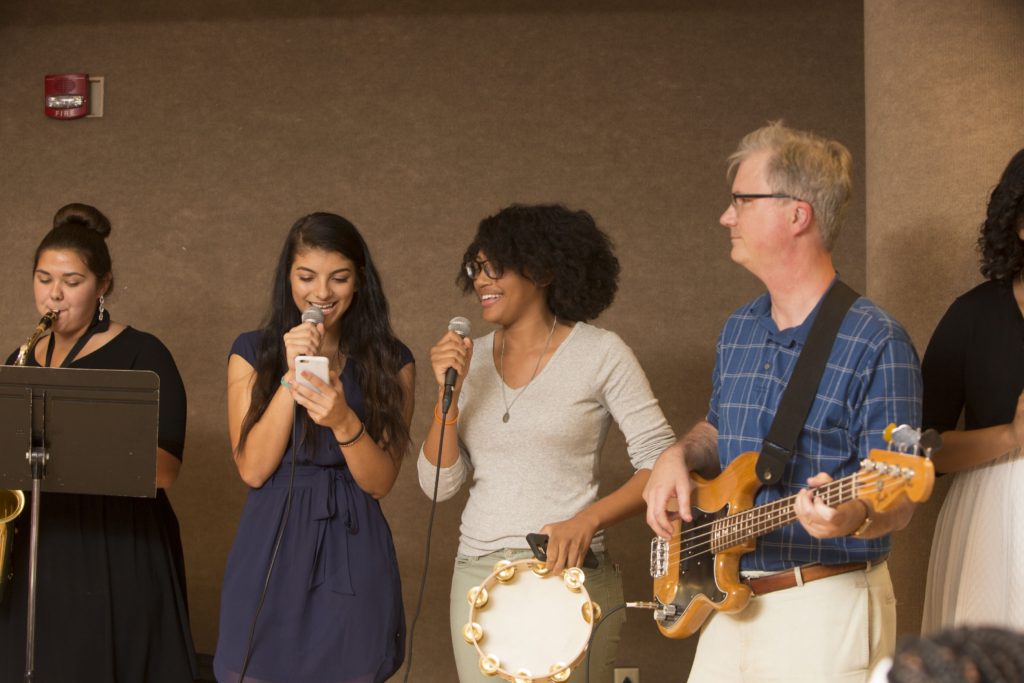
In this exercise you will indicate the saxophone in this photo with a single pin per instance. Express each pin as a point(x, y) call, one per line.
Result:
point(13, 502)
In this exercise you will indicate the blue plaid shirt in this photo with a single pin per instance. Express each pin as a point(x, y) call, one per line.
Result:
point(872, 379)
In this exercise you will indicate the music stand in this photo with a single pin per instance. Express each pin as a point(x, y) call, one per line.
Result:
point(75, 431)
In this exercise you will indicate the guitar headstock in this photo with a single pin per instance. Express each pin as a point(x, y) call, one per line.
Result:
point(884, 475)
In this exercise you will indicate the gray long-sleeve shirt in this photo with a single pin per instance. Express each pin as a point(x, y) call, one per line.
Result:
point(542, 465)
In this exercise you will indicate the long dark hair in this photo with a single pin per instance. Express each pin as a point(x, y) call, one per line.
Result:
point(1002, 251)
point(366, 335)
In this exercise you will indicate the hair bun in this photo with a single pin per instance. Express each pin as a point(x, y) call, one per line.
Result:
point(82, 214)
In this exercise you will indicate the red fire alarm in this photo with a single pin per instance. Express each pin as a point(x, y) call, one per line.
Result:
point(67, 96)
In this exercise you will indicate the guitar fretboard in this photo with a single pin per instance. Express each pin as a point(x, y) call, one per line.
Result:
point(750, 524)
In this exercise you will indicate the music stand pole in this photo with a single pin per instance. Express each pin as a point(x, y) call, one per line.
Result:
point(37, 458)
point(91, 432)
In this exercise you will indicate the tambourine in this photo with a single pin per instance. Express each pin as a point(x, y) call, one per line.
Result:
point(529, 625)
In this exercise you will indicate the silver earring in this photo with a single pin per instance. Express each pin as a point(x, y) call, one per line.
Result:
point(101, 308)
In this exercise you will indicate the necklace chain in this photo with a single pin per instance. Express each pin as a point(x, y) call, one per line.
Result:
point(501, 370)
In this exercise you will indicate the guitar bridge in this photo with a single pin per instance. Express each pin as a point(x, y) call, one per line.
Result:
point(659, 557)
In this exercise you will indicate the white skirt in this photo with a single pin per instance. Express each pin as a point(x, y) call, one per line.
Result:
point(976, 569)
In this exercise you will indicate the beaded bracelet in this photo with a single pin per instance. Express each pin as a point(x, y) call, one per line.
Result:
point(437, 417)
point(359, 435)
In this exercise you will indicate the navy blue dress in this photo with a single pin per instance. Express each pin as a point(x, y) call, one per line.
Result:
point(333, 611)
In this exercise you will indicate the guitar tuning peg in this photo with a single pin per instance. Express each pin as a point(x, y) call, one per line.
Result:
point(930, 441)
point(887, 434)
point(904, 438)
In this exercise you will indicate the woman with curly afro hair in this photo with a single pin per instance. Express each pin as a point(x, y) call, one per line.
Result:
point(959, 655)
point(532, 405)
point(975, 365)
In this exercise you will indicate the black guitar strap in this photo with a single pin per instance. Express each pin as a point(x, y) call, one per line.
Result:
point(780, 443)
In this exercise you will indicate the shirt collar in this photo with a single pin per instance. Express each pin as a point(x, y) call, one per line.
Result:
point(791, 336)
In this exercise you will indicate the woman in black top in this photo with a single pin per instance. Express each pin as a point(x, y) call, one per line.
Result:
point(975, 365)
point(111, 602)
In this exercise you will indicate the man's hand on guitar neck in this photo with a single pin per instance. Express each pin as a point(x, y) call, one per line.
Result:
point(670, 484)
point(822, 521)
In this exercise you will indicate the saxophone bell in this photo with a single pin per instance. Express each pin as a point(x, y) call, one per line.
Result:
point(11, 505)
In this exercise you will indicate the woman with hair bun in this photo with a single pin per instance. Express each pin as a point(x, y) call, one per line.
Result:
point(111, 605)
point(531, 408)
point(975, 365)
point(311, 591)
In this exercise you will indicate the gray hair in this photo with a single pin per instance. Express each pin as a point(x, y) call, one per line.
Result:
point(804, 165)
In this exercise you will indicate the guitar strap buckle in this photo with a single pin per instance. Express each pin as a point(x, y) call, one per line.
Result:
point(772, 462)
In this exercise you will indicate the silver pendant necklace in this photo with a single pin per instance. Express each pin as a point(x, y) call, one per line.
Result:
point(501, 370)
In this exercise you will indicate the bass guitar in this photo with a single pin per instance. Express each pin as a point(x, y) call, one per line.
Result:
point(696, 572)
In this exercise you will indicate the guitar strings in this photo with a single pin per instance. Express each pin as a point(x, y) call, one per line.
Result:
point(780, 508)
point(696, 549)
point(776, 506)
point(696, 541)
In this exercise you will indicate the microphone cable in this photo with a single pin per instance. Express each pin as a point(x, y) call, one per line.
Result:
point(445, 407)
point(593, 634)
point(277, 545)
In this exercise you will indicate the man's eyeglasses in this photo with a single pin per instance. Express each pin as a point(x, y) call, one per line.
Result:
point(740, 198)
point(489, 268)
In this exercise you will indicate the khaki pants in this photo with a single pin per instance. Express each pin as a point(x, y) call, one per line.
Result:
point(832, 630)
point(604, 585)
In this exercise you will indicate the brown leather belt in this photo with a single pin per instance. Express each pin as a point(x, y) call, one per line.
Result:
point(798, 576)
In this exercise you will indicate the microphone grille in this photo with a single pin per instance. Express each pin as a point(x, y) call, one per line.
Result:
point(459, 326)
point(313, 315)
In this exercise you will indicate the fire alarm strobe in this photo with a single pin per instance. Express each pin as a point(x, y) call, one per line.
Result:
point(67, 96)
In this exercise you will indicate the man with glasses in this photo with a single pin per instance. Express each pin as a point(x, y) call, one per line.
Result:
point(824, 608)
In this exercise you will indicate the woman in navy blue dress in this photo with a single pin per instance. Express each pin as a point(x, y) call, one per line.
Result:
point(317, 461)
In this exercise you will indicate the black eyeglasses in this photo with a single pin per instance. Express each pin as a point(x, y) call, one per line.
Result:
point(489, 268)
point(737, 197)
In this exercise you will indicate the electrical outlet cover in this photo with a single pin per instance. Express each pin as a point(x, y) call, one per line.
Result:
point(627, 674)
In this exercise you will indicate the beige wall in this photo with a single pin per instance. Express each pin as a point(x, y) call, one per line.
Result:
point(225, 121)
point(944, 114)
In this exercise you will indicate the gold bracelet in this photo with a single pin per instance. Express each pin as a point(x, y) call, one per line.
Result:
point(866, 524)
point(359, 435)
point(437, 417)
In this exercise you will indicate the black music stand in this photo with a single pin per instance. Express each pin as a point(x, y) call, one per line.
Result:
point(75, 431)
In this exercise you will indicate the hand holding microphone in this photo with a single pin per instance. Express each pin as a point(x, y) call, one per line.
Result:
point(450, 359)
point(304, 339)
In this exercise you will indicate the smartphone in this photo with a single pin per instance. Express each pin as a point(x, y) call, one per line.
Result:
point(315, 365)
point(539, 546)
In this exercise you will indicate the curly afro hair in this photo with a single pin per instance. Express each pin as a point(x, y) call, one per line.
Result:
point(552, 245)
point(960, 655)
point(1002, 251)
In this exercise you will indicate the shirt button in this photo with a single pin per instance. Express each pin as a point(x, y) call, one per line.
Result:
point(767, 366)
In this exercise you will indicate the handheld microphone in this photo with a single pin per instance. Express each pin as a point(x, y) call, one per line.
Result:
point(313, 315)
point(461, 327)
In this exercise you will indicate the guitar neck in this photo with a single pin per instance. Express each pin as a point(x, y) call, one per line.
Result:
point(763, 519)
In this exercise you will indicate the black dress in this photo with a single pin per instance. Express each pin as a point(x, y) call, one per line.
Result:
point(975, 365)
point(111, 603)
